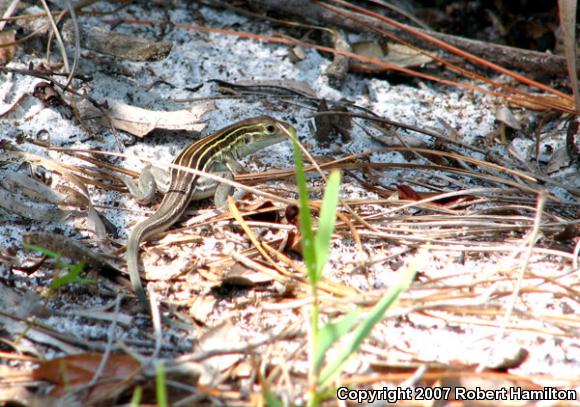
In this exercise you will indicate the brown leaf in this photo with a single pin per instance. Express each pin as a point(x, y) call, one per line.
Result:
point(69, 372)
point(242, 277)
point(123, 46)
point(408, 193)
point(293, 86)
point(7, 51)
point(75, 251)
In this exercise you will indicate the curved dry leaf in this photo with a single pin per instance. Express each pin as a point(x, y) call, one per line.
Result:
point(505, 115)
point(242, 277)
point(68, 372)
point(140, 122)
point(30, 187)
point(119, 45)
point(396, 54)
point(31, 210)
point(94, 219)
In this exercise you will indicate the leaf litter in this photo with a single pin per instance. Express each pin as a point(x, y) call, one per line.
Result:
point(478, 239)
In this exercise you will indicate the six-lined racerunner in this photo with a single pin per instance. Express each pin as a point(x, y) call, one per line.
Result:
point(216, 153)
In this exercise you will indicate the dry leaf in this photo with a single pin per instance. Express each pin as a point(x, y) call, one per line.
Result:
point(560, 159)
point(405, 57)
point(202, 306)
point(395, 54)
point(29, 187)
point(296, 54)
point(221, 338)
point(273, 86)
point(505, 115)
point(112, 43)
point(299, 87)
point(75, 251)
point(140, 122)
point(242, 277)
point(22, 305)
point(7, 51)
point(78, 370)
point(323, 125)
point(337, 71)
point(18, 205)
point(96, 223)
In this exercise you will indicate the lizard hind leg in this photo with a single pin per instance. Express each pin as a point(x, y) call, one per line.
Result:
point(151, 180)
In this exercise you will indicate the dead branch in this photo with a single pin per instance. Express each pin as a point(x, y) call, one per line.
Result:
point(510, 57)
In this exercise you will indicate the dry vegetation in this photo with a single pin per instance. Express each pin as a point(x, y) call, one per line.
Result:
point(493, 233)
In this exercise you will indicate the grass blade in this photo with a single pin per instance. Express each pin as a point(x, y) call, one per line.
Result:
point(72, 276)
point(42, 250)
point(365, 327)
point(161, 385)
point(332, 332)
point(308, 245)
point(327, 222)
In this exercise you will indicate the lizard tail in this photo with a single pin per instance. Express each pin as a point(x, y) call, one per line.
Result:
point(133, 265)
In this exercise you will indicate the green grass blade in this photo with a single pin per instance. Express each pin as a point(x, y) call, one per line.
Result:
point(327, 221)
point(136, 398)
point(366, 326)
point(332, 332)
point(42, 250)
point(72, 277)
point(161, 385)
point(308, 244)
point(271, 399)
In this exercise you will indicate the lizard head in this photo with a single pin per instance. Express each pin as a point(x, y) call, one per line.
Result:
point(263, 131)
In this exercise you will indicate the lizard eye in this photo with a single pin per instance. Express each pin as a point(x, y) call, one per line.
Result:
point(270, 128)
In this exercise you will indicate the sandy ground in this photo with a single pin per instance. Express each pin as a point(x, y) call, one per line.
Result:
point(435, 336)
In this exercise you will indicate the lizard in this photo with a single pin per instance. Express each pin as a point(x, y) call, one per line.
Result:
point(216, 153)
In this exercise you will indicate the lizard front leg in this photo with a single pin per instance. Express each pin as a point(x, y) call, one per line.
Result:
point(227, 169)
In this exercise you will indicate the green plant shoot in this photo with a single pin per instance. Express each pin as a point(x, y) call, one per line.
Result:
point(74, 269)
